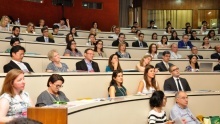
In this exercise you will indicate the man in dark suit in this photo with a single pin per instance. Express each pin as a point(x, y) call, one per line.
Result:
point(140, 42)
point(87, 64)
point(185, 43)
point(15, 33)
point(176, 83)
point(194, 51)
point(217, 54)
point(217, 67)
point(164, 65)
point(17, 54)
point(45, 37)
point(152, 25)
point(121, 38)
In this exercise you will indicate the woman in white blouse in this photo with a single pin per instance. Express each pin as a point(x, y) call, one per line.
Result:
point(163, 43)
point(153, 51)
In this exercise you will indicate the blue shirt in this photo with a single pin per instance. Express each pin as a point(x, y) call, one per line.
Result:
point(182, 44)
point(89, 65)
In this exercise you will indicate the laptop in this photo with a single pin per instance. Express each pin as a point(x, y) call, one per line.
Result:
point(160, 55)
point(205, 67)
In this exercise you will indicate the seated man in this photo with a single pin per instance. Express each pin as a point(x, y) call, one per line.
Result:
point(117, 32)
point(164, 65)
point(17, 54)
point(185, 43)
point(152, 25)
point(133, 29)
point(121, 38)
point(140, 42)
point(217, 67)
point(62, 24)
point(174, 52)
point(45, 37)
point(13, 42)
point(176, 83)
point(56, 30)
point(87, 64)
point(194, 51)
point(135, 24)
point(180, 109)
point(217, 54)
point(15, 33)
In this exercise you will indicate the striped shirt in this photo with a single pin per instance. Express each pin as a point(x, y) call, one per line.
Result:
point(157, 118)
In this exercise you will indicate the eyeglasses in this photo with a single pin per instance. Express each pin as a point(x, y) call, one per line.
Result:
point(176, 69)
point(58, 86)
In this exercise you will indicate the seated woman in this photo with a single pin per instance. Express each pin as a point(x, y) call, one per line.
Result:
point(137, 34)
point(116, 87)
point(174, 36)
point(91, 39)
point(163, 43)
point(71, 49)
point(13, 42)
point(98, 49)
point(149, 83)
point(113, 64)
point(152, 51)
point(157, 115)
point(188, 30)
point(194, 66)
point(41, 23)
point(14, 101)
point(154, 36)
point(211, 35)
point(56, 65)
point(73, 32)
point(30, 28)
point(95, 26)
point(69, 37)
point(4, 23)
point(122, 51)
point(168, 30)
point(206, 44)
point(143, 63)
point(53, 93)
point(193, 36)
point(113, 28)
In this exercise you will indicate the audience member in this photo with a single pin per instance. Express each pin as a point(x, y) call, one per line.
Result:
point(168, 30)
point(55, 65)
point(140, 42)
point(203, 30)
point(157, 115)
point(113, 28)
point(187, 24)
point(180, 109)
point(11, 20)
point(175, 83)
point(24, 121)
point(45, 37)
point(17, 54)
point(64, 24)
point(13, 42)
point(185, 43)
point(206, 44)
point(135, 24)
point(164, 65)
point(116, 87)
point(174, 52)
point(154, 36)
point(14, 101)
point(71, 50)
point(95, 26)
point(163, 43)
point(194, 66)
point(56, 30)
point(217, 67)
point(15, 33)
point(41, 23)
point(211, 35)
point(188, 30)
point(137, 34)
point(98, 49)
point(69, 37)
point(145, 61)
point(193, 35)
point(117, 32)
point(152, 23)
point(194, 51)
point(133, 29)
point(113, 64)
point(121, 39)
point(174, 36)
point(87, 64)
point(73, 32)
point(149, 83)
point(91, 39)
point(217, 54)
point(30, 28)
point(122, 51)
point(4, 23)
point(93, 31)
point(53, 93)
point(153, 51)
point(169, 25)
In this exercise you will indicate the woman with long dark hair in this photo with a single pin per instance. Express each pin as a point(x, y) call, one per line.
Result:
point(71, 49)
point(113, 63)
point(98, 49)
point(194, 66)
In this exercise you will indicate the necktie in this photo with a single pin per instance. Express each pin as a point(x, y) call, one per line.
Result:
point(167, 66)
point(141, 45)
point(180, 89)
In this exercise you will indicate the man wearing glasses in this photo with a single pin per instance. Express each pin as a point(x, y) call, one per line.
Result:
point(176, 83)
point(181, 111)
point(45, 37)
point(185, 43)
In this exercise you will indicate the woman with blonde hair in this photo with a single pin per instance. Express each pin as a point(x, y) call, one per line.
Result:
point(14, 101)
point(30, 28)
point(122, 51)
point(143, 63)
point(4, 22)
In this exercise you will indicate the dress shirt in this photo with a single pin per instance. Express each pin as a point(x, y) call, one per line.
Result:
point(166, 65)
point(175, 79)
point(175, 55)
point(21, 65)
point(89, 65)
point(46, 39)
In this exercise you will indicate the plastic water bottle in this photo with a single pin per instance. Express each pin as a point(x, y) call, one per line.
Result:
point(18, 21)
point(8, 26)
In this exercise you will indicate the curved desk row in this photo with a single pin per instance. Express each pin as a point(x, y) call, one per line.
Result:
point(127, 110)
point(39, 62)
point(95, 85)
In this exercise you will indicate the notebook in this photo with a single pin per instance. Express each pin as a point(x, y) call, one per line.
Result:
point(205, 67)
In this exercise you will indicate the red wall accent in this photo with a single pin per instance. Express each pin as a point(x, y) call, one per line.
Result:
point(80, 17)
